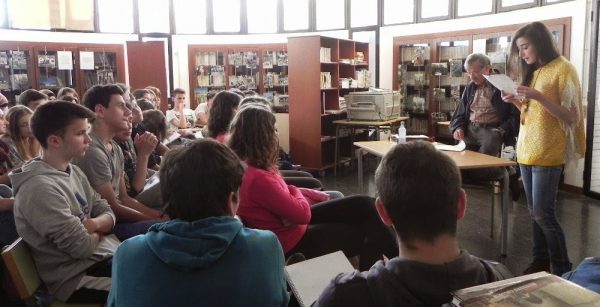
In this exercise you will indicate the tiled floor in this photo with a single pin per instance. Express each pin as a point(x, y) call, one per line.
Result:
point(579, 216)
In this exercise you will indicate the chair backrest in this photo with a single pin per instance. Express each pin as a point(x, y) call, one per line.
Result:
point(21, 268)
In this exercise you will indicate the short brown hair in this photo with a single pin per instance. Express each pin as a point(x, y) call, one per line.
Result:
point(53, 117)
point(419, 187)
point(213, 166)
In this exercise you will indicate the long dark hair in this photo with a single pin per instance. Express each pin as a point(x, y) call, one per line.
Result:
point(542, 42)
point(253, 136)
point(221, 112)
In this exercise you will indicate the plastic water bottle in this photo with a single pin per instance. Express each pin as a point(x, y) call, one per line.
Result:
point(401, 133)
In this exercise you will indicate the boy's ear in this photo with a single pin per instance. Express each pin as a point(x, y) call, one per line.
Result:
point(99, 110)
point(383, 214)
point(53, 140)
point(232, 203)
point(461, 208)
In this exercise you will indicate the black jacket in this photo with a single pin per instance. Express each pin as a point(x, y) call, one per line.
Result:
point(507, 113)
point(402, 282)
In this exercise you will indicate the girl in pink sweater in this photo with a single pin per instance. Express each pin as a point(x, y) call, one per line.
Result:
point(304, 220)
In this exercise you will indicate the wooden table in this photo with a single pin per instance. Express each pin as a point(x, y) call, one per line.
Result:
point(357, 124)
point(464, 160)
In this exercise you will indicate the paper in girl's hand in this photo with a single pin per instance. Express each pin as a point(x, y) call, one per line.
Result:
point(503, 83)
point(313, 196)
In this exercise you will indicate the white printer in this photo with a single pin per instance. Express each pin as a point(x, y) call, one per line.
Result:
point(374, 105)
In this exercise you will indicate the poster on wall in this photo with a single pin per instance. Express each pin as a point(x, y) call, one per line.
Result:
point(45, 60)
point(86, 60)
point(65, 60)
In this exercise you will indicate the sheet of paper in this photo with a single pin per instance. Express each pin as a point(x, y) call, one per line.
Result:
point(86, 60)
point(458, 147)
point(65, 60)
point(502, 82)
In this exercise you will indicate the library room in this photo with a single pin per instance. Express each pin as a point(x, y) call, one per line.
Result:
point(299, 153)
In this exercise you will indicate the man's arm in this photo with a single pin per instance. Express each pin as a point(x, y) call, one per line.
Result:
point(132, 203)
point(122, 212)
point(144, 145)
point(460, 116)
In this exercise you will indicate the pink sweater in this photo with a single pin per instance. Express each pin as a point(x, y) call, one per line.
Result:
point(267, 202)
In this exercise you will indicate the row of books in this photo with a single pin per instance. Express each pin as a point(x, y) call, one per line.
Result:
point(325, 55)
point(325, 79)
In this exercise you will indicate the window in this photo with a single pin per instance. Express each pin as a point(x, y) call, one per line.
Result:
point(363, 13)
point(190, 16)
point(398, 11)
point(295, 15)
point(262, 16)
point(330, 14)
point(115, 16)
point(434, 10)
point(226, 15)
point(21, 16)
point(2, 13)
point(508, 5)
point(154, 16)
point(468, 8)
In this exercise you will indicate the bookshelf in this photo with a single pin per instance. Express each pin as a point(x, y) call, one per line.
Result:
point(25, 65)
point(429, 73)
point(261, 68)
point(321, 71)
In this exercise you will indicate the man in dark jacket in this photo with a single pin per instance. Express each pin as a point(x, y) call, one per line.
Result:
point(420, 195)
point(482, 119)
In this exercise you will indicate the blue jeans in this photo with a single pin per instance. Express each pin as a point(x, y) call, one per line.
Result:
point(541, 188)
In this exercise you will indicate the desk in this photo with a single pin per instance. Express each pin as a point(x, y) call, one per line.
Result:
point(354, 124)
point(464, 160)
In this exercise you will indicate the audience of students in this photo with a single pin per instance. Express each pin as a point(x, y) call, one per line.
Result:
point(103, 162)
point(204, 256)
point(303, 219)
point(416, 183)
point(32, 99)
point(224, 107)
point(57, 213)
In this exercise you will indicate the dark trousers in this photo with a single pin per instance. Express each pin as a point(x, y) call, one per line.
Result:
point(91, 296)
point(350, 224)
point(485, 140)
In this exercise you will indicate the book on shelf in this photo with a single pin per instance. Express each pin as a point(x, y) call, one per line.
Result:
point(308, 278)
point(325, 55)
point(538, 289)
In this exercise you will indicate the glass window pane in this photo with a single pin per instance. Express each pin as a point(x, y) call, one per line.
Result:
point(434, 8)
point(262, 16)
point(398, 11)
point(467, 7)
point(190, 16)
point(226, 15)
point(295, 15)
point(154, 16)
point(113, 20)
point(330, 14)
point(506, 3)
point(363, 13)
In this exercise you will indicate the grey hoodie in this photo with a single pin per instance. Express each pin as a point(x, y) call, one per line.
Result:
point(50, 206)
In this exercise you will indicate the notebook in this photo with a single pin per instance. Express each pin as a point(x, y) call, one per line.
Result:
point(308, 278)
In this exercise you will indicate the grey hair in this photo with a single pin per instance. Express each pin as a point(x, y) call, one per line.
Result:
point(478, 58)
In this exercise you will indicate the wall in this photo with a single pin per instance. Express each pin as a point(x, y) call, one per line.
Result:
point(579, 44)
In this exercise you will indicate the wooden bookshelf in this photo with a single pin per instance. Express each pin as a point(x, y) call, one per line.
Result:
point(312, 133)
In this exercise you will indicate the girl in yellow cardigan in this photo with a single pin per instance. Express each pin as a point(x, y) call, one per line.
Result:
point(551, 135)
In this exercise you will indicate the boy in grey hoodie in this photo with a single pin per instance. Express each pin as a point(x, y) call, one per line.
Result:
point(58, 214)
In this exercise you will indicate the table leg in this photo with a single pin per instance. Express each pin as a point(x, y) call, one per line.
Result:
point(359, 156)
point(336, 150)
point(504, 227)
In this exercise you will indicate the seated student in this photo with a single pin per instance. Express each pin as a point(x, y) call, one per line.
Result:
point(223, 109)
point(69, 98)
point(420, 195)
point(204, 256)
point(180, 117)
point(103, 162)
point(21, 143)
point(146, 94)
point(136, 153)
point(154, 121)
point(203, 108)
point(49, 93)
point(58, 214)
point(303, 220)
point(67, 91)
point(145, 104)
point(156, 93)
point(32, 99)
